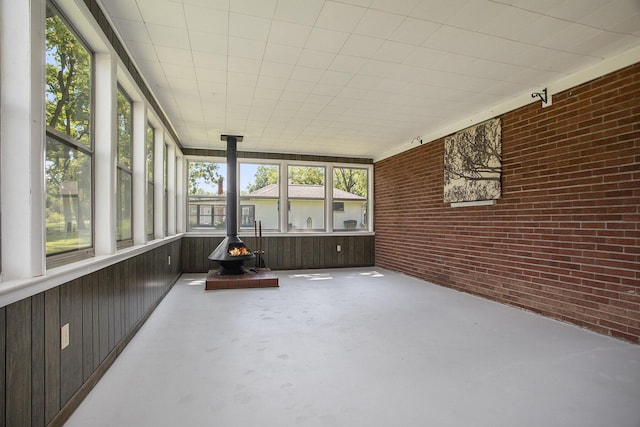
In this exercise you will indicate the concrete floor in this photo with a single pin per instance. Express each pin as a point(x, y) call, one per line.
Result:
point(360, 347)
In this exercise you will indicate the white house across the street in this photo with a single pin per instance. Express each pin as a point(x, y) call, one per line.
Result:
point(305, 209)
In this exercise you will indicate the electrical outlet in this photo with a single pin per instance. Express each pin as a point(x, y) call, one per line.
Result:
point(339, 248)
point(64, 336)
point(169, 260)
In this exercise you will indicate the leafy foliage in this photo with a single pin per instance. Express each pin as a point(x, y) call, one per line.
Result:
point(125, 125)
point(353, 181)
point(150, 153)
point(68, 148)
point(202, 176)
point(265, 175)
point(348, 179)
point(306, 175)
point(68, 81)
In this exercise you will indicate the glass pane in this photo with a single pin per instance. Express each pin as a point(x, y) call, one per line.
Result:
point(124, 120)
point(193, 215)
point(69, 213)
point(306, 198)
point(150, 210)
point(123, 209)
point(220, 215)
point(205, 217)
point(150, 139)
point(350, 199)
point(247, 216)
point(165, 183)
point(207, 195)
point(207, 178)
point(68, 81)
point(259, 195)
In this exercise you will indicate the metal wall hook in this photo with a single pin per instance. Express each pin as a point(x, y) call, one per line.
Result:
point(544, 97)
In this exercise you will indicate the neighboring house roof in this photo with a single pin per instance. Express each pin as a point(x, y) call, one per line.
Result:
point(297, 191)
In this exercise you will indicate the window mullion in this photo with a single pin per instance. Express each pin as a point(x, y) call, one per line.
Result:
point(105, 154)
point(171, 189)
point(181, 198)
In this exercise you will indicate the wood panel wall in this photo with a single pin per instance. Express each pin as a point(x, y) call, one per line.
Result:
point(288, 252)
point(41, 384)
point(279, 156)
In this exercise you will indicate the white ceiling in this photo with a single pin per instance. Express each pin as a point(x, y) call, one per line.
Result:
point(356, 77)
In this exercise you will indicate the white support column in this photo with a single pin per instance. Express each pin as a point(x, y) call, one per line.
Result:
point(158, 184)
point(171, 189)
point(22, 137)
point(181, 199)
point(139, 173)
point(105, 154)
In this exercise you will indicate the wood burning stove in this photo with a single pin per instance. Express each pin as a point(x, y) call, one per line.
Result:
point(231, 253)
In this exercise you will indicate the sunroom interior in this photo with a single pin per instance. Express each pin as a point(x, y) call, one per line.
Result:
point(400, 164)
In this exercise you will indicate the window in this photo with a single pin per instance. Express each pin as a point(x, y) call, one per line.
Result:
point(350, 200)
point(306, 197)
point(207, 196)
point(69, 143)
point(124, 214)
point(150, 186)
point(206, 214)
point(165, 184)
point(307, 206)
point(247, 216)
point(259, 196)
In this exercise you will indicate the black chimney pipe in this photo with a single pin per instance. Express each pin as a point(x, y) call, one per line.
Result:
point(231, 252)
point(232, 194)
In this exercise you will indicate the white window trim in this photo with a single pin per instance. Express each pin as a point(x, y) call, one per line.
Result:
point(105, 157)
point(22, 44)
point(158, 184)
point(284, 168)
point(23, 230)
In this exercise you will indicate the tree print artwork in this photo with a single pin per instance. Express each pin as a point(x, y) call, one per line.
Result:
point(473, 163)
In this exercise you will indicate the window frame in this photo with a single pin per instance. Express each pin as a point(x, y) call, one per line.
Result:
point(165, 188)
point(244, 200)
point(349, 223)
point(150, 143)
point(61, 258)
point(284, 200)
point(121, 168)
point(218, 202)
point(307, 226)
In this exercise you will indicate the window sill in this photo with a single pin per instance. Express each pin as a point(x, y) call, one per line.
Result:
point(300, 233)
point(247, 234)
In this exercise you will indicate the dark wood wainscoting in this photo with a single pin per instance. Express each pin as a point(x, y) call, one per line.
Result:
point(288, 252)
point(43, 384)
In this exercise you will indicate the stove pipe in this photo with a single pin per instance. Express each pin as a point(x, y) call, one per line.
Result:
point(232, 194)
point(231, 252)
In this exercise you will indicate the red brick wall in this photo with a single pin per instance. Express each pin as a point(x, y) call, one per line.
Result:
point(564, 239)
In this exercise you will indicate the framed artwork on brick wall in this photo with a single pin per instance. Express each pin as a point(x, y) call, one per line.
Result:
point(473, 163)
